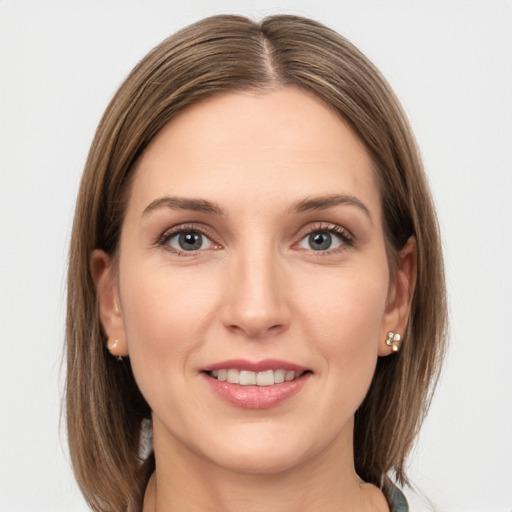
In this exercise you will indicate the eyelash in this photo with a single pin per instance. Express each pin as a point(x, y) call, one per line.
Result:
point(344, 234)
point(164, 239)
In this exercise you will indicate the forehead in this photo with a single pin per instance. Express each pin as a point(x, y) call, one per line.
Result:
point(270, 145)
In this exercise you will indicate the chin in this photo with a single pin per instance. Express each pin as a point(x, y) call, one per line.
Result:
point(266, 452)
point(262, 462)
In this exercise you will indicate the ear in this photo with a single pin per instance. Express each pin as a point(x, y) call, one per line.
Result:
point(111, 316)
point(401, 292)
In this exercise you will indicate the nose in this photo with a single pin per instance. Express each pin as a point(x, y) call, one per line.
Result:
point(255, 302)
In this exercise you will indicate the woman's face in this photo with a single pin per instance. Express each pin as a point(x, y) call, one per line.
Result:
point(252, 250)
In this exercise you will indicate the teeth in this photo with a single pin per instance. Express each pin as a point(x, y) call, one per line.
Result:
point(248, 378)
point(233, 376)
point(265, 378)
point(279, 376)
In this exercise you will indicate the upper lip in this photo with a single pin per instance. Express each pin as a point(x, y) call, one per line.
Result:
point(255, 366)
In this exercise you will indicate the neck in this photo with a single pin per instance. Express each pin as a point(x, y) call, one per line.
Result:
point(188, 482)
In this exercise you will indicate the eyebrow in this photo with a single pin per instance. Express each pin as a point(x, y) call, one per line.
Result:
point(303, 205)
point(183, 203)
point(329, 201)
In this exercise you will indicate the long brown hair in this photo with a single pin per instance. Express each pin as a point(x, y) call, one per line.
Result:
point(105, 409)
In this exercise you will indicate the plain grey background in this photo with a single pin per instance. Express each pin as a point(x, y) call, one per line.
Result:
point(450, 62)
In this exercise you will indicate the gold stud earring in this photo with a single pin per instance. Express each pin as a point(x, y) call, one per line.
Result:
point(392, 341)
point(112, 347)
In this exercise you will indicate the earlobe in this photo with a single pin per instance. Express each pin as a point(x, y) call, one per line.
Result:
point(111, 317)
point(400, 298)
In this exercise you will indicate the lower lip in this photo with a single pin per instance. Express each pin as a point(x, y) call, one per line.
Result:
point(256, 397)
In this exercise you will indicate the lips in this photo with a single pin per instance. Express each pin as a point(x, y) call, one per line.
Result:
point(256, 385)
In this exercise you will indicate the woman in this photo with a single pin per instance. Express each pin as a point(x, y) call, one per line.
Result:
point(256, 304)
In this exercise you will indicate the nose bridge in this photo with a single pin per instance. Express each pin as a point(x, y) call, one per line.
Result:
point(255, 303)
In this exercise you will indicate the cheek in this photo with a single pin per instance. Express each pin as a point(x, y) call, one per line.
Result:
point(345, 317)
point(166, 315)
point(156, 296)
point(350, 301)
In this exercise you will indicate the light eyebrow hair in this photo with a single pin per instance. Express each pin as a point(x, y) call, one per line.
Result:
point(328, 201)
point(183, 203)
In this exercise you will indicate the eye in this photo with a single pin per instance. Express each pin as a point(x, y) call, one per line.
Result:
point(189, 241)
point(323, 240)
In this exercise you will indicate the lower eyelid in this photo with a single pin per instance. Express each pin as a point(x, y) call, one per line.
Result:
point(168, 235)
point(341, 242)
point(345, 238)
point(204, 242)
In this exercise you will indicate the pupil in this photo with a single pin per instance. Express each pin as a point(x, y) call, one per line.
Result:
point(190, 241)
point(320, 241)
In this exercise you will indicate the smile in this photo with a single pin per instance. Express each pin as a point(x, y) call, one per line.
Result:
point(256, 385)
point(250, 378)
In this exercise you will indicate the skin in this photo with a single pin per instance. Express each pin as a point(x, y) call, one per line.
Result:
point(255, 290)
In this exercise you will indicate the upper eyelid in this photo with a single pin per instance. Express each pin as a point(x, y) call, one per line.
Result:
point(192, 226)
point(210, 233)
point(347, 239)
point(324, 226)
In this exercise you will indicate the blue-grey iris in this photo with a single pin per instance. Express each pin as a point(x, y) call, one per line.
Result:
point(320, 241)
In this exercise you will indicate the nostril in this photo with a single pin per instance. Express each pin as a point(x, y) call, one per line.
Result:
point(276, 327)
point(255, 330)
